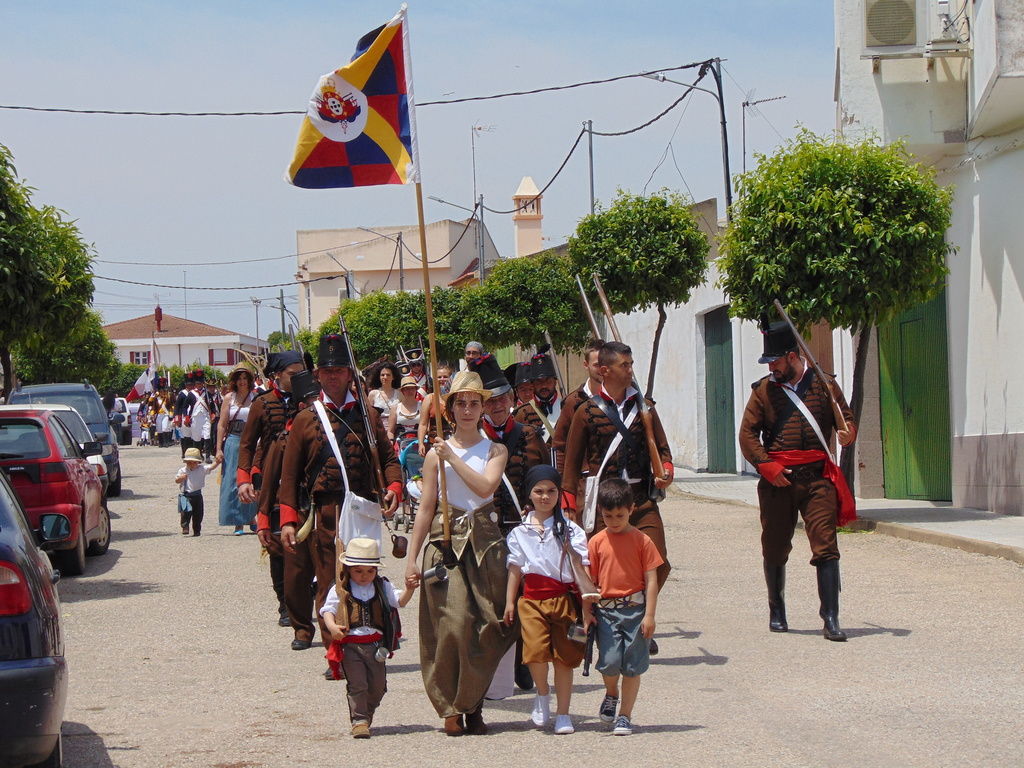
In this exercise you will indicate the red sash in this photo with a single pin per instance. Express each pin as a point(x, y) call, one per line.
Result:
point(846, 507)
point(537, 587)
point(336, 652)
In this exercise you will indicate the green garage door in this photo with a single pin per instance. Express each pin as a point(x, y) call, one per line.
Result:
point(719, 391)
point(914, 393)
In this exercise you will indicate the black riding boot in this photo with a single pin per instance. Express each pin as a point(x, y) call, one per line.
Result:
point(828, 592)
point(775, 578)
point(277, 579)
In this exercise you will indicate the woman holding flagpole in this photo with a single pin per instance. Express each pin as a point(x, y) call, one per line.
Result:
point(462, 637)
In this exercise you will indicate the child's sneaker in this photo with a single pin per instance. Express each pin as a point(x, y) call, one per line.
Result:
point(608, 707)
point(563, 725)
point(623, 727)
point(541, 709)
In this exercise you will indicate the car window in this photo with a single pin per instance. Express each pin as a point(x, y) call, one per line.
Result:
point(78, 428)
point(22, 439)
point(68, 445)
point(87, 403)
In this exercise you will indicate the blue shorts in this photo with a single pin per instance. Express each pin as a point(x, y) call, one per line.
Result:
point(622, 647)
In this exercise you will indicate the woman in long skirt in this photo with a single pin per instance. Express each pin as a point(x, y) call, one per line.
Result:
point(462, 637)
point(233, 414)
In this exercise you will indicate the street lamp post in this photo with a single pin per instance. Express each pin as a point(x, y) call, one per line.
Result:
point(479, 229)
point(257, 303)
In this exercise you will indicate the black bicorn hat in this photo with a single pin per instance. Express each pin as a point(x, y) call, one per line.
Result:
point(333, 352)
point(523, 373)
point(778, 341)
point(198, 375)
point(491, 374)
point(542, 366)
point(304, 385)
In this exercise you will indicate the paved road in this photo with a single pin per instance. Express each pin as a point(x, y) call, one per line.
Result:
point(176, 659)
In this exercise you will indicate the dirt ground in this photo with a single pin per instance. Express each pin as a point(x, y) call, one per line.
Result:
point(176, 659)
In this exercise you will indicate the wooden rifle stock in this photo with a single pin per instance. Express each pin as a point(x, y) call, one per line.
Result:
point(841, 425)
point(645, 412)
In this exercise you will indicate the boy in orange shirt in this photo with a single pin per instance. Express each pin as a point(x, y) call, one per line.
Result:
point(623, 563)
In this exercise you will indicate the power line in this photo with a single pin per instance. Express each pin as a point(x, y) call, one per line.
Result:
point(277, 113)
point(232, 288)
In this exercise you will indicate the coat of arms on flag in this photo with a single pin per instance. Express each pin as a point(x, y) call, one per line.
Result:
point(359, 129)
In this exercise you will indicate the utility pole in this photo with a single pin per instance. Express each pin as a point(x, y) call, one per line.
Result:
point(281, 299)
point(184, 289)
point(590, 142)
point(257, 303)
point(480, 237)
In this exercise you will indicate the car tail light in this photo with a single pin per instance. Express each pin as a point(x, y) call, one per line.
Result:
point(55, 472)
point(14, 595)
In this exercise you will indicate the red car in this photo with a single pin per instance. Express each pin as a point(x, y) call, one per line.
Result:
point(51, 474)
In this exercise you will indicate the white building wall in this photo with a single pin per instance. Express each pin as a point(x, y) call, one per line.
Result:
point(964, 115)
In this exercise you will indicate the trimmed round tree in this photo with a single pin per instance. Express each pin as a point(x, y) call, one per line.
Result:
point(849, 234)
point(648, 251)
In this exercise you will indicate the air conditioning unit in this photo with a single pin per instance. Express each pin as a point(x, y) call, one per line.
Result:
point(895, 28)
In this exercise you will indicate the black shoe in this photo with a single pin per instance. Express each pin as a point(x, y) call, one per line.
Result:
point(301, 645)
point(653, 648)
point(328, 675)
point(284, 620)
point(828, 592)
point(524, 680)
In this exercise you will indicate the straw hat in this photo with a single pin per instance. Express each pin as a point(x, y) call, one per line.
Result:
point(193, 454)
point(408, 381)
point(362, 552)
point(465, 381)
point(238, 370)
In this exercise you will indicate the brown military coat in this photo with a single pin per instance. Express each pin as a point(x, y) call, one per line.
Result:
point(268, 415)
point(525, 450)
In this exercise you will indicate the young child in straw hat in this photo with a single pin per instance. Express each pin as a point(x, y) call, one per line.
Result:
point(361, 615)
point(192, 478)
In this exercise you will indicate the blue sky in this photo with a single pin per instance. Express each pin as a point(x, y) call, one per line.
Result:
point(172, 195)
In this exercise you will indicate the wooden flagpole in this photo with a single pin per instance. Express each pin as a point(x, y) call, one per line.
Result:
point(446, 548)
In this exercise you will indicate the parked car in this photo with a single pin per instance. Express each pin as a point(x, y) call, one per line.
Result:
point(86, 400)
point(125, 435)
point(33, 671)
point(79, 430)
point(50, 472)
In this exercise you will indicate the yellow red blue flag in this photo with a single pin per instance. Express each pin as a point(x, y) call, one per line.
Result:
point(360, 128)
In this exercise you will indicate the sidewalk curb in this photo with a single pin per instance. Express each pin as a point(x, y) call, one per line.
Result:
point(925, 536)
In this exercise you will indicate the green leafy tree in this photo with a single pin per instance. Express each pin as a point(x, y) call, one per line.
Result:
point(86, 353)
point(852, 234)
point(278, 341)
point(45, 278)
point(648, 251)
point(122, 379)
point(522, 298)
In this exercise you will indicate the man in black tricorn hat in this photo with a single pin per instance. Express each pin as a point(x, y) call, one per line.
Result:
point(525, 449)
point(785, 432)
point(311, 471)
point(182, 405)
point(543, 410)
point(270, 412)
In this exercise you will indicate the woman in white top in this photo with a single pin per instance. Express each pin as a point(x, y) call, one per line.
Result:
point(462, 637)
point(404, 420)
point(383, 394)
point(233, 414)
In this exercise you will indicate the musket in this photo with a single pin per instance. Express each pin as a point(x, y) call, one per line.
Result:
point(589, 311)
point(379, 486)
point(645, 412)
point(554, 359)
point(841, 425)
point(588, 654)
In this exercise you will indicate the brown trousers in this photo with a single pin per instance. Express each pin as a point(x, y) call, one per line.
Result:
point(815, 500)
point(298, 578)
point(366, 680)
point(647, 518)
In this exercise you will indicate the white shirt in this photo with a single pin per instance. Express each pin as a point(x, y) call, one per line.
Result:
point(200, 416)
point(360, 592)
point(195, 479)
point(459, 494)
point(541, 553)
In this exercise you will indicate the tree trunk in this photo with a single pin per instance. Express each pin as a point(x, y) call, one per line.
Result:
point(662, 317)
point(8, 369)
point(848, 462)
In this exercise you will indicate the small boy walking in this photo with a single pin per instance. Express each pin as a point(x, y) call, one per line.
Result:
point(623, 563)
point(361, 615)
point(538, 559)
point(192, 478)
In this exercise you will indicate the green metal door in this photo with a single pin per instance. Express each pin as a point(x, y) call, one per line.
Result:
point(718, 391)
point(914, 394)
